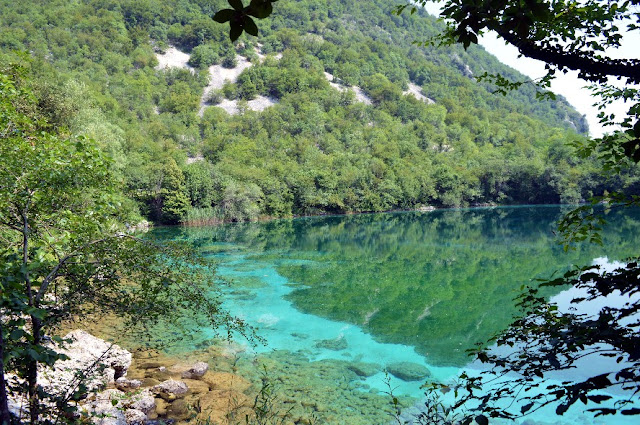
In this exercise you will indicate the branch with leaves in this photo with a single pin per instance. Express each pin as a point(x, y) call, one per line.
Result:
point(240, 17)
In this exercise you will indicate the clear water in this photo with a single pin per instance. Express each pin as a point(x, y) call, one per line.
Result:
point(396, 287)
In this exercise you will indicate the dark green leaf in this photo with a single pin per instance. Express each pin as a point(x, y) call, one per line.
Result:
point(224, 15)
point(482, 420)
point(524, 409)
point(235, 31)
point(561, 409)
point(250, 26)
point(236, 4)
point(260, 9)
point(599, 398)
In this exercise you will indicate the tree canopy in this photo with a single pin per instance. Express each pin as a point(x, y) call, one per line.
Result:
point(64, 252)
point(391, 125)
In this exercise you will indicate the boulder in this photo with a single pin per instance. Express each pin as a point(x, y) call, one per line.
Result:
point(179, 409)
point(408, 371)
point(142, 401)
point(336, 344)
point(196, 371)
point(135, 417)
point(171, 389)
point(98, 363)
point(107, 408)
point(125, 384)
point(364, 369)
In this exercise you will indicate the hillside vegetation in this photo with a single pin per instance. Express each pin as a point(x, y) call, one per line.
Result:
point(397, 127)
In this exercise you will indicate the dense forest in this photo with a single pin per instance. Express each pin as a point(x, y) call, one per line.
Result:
point(399, 125)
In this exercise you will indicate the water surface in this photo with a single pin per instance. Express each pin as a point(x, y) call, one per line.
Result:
point(378, 289)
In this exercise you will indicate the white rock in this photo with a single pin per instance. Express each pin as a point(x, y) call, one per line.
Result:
point(112, 416)
point(171, 389)
point(107, 396)
point(196, 371)
point(91, 359)
point(135, 417)
point(106, 409)
point(416, 92)
point(173, 58)
point(143, 402)
point(125, 384)
point(108, 406)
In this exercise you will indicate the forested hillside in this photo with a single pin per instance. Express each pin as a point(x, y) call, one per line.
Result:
point(335, 110)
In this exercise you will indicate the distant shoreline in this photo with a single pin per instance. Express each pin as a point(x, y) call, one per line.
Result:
point(266, 218)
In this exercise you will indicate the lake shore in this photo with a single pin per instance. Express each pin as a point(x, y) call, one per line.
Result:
point(241, 383)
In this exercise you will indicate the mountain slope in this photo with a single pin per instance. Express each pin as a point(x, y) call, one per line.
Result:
point(398, 126)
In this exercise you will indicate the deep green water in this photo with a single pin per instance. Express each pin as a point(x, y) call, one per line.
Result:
point(382, 288)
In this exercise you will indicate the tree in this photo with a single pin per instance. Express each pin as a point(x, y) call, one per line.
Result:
point(566, 35)
point(64, 252)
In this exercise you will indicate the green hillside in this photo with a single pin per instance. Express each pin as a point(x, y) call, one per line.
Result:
point(320, 147)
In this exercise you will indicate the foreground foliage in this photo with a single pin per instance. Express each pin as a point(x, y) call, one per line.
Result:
point(63, 253)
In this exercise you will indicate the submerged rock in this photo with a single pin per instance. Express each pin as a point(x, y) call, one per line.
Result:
point(196, 386)
point(216, 404)
point(225, 381)
point(161, 407)
point(143, 401)
point(364, 369)
point(170, 389)
point(179, 410)
point(196, 371)
point(408, 371)
point(337, 344)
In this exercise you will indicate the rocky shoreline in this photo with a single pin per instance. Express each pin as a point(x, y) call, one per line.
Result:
point(144, 387)
point(218, 383)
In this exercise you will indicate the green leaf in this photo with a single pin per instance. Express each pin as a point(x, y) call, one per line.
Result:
point(235, 31)
point(260, 9)
point(236, 4)
point(250, 26)
point(224, 15)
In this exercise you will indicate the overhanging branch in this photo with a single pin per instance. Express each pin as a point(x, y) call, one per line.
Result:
point(590, 69)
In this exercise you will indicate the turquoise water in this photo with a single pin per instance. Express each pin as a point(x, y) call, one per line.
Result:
point(397, 287)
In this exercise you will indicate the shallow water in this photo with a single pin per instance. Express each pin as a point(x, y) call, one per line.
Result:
point(381, 289)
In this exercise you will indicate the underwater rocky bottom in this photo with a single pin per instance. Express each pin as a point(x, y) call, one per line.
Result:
point(287, 385)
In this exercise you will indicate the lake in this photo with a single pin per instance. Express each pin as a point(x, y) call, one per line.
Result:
point(341, 299)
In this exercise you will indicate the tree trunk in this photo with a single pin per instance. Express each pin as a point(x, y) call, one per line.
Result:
point(32, 373)
point(5, 417)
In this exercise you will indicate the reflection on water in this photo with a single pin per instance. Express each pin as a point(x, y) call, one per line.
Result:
point(406, 292)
